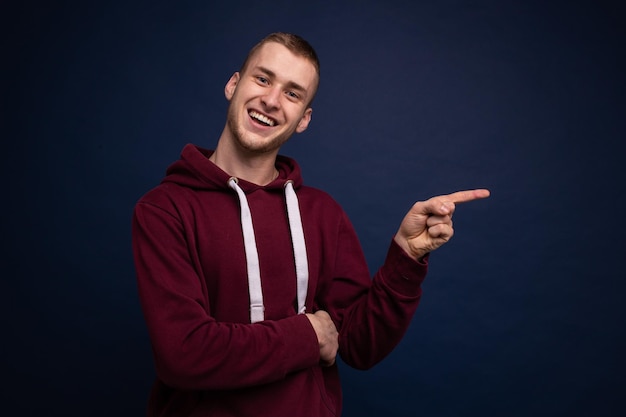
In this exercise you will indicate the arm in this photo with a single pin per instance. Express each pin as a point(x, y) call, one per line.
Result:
point(192, 350)
point(373, 314)
point(373, 319)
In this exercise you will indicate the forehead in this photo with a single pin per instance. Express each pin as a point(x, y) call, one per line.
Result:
point(285, 65)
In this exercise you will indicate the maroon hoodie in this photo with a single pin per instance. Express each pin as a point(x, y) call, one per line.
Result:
point(193, 282)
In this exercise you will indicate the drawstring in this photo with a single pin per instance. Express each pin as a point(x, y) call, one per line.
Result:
point(299, 247)
point(252, 256)
point(257, 309)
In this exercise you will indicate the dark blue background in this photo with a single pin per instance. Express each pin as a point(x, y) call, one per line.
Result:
point(522, 312)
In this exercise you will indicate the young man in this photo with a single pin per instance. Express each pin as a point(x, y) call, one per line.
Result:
point(251, 283)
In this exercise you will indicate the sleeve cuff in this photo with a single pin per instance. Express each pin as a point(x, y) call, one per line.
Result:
point(301, 345)
point(403, 273)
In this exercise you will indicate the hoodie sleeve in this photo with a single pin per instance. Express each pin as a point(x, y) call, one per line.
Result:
point(372, 315)
point(191, 349)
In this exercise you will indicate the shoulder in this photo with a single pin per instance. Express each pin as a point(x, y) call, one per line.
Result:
point(317, 197)
point(165, 196)
point(320, 205)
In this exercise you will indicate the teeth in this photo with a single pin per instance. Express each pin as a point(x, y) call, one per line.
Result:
point(261, 118)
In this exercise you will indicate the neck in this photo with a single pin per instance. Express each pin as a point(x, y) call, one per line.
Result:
point(255, 168)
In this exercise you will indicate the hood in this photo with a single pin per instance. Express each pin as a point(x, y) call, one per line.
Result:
point(194, 170)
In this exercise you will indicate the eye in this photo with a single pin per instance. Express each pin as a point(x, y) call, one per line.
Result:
point(293, 95)
point(262, 80)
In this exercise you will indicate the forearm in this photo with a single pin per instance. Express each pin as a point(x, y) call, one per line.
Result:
point(376, 322)
point(192, 349)
point(226, 356)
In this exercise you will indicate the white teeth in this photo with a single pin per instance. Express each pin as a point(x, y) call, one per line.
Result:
point(261, 118)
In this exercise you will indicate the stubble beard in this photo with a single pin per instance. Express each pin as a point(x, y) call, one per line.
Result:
point(241, 137)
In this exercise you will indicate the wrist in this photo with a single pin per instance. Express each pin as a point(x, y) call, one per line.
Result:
point(412, 252)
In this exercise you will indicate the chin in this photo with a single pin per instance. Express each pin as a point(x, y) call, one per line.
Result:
point(261, 148)
point(261, 145)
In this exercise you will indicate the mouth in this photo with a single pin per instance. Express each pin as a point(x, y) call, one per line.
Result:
point(262, 119)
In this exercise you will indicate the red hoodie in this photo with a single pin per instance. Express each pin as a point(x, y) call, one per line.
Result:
point(193, 285)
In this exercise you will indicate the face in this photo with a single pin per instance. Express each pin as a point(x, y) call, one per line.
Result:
point(269, 99)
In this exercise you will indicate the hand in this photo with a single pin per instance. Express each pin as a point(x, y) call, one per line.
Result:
point(327, 336)
point(428, 224)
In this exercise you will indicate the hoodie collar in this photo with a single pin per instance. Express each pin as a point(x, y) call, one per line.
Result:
point(195, 170)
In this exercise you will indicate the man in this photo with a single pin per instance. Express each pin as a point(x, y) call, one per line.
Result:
point(251, 283)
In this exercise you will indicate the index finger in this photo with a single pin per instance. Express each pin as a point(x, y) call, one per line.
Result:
point(467, 195)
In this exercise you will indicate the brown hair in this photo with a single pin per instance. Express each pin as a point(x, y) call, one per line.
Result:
point(294, 43)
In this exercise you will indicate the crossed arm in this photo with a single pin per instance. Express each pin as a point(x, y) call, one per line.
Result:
point(426, 227)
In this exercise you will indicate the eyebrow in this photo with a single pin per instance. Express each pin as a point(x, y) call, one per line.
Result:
point(291, 84)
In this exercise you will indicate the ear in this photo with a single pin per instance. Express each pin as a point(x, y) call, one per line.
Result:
point(231, 86)
point(304, 121)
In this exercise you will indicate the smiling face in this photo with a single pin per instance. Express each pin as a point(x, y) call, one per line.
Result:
point(269, 99)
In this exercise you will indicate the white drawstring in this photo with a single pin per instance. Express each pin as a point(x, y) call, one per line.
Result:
point(257, 309)
point(299, 246)
point(252, 257)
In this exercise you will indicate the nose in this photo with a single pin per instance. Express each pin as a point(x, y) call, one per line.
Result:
point(271, 98)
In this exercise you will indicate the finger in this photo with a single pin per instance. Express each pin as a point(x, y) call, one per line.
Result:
point(322, 315)
point(441, 231)
point(445, 204)
point(435, 220)
point(437, 206)
point(467, 195)
point(327, 364)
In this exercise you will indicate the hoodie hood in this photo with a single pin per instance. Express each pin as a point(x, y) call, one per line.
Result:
point(194, 170)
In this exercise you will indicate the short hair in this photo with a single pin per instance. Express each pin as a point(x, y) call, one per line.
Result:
point(294, 43)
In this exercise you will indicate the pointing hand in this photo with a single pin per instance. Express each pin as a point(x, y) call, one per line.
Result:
point(428, 224)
